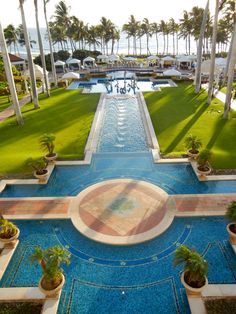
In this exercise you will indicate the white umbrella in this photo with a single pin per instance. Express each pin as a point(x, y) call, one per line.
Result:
point(38, 72)
point(70, 75)
point(172, 72)
point(206, 65)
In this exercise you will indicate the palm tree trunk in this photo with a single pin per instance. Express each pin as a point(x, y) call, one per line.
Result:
point(147, 44)
point(213, 54)
point(164, 49)
point(9, 75)
point(167, 43)
point(128, 45)
point(232, 63)
point(199, 50)
point(177, 44)
point(228, 59)
point(157, 42)
point(41, 49)
point(173, 43)
point(30, 60)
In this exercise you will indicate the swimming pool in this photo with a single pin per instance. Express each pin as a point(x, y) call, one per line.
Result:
point(70, 180)
point(120, 82)
point(120, 279)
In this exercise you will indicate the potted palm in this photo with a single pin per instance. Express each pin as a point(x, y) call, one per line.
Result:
point(203, 167)
point(231, 227)
point(195, 269)
point(47, 144)
point(40, 167)
point(50, 260)
point(193, 143)
point(8, 232)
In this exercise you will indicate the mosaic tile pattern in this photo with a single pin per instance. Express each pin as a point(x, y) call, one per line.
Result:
point(172, 178)
point(134, 279)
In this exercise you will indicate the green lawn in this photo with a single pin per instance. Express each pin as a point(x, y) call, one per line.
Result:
point(223, 89)
point(176, 112)
point(4, 103)
point(66, 113)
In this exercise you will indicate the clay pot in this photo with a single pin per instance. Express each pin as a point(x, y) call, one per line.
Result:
point(52, 158)
point(41, 177)
point(191, 290)
point(54, 292)
point(192, 155)
point(232, 235)
point(10, 242)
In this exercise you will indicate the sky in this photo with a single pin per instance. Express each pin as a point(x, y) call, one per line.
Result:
point(92, 11)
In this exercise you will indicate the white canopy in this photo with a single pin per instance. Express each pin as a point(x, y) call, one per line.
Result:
point(70, 75)
point(102, 57)
point(73, 61)
point(206, 65)
point(152, 58)
point(172, 72)
point(59, 63)
point(113, 58)
point(131, 59)
point(89, 59)
point(38, 72)
point(168, 58)
point(184, 59)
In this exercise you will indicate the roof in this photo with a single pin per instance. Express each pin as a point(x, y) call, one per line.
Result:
point(58, 62)
point(73, 61)
point(89, 59)
point(14, 58)
point(168, 58)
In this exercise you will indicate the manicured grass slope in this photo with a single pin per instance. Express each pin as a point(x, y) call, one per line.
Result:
point(67, 114)
point(176, 112)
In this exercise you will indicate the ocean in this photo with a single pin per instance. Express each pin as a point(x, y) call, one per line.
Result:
point(121, 49)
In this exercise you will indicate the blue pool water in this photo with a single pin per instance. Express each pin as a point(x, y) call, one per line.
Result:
point(70, 180)
point(98, 274)
point(122, 128)
point(119, 82)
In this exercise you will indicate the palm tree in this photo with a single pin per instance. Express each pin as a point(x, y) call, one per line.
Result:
point(213, 54)
point(41, 49)
point(232, 63)
point(155, 30)
point(11, 37)
point(126, 29)
point(54, 74)
point(162, 27)
point(9, 75)
point(29, 55)
point(62, 18)
point(21, 37)
point(147, 30)
point(173, 29)
point(230, 17)
point(186, 29)
point(199, 50)
point(133, 29)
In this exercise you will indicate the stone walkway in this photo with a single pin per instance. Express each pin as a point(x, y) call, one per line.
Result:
point(8, 112)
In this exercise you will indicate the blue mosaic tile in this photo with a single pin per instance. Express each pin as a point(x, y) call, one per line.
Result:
point(94, 285)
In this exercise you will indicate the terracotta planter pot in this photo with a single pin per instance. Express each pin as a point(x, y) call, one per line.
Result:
point(51, 159)
point(232, 235)
point(192, 155)
point(205, 172)
point(41, 177)
point(11, 241)
point(191, 290)
point(55, 291)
